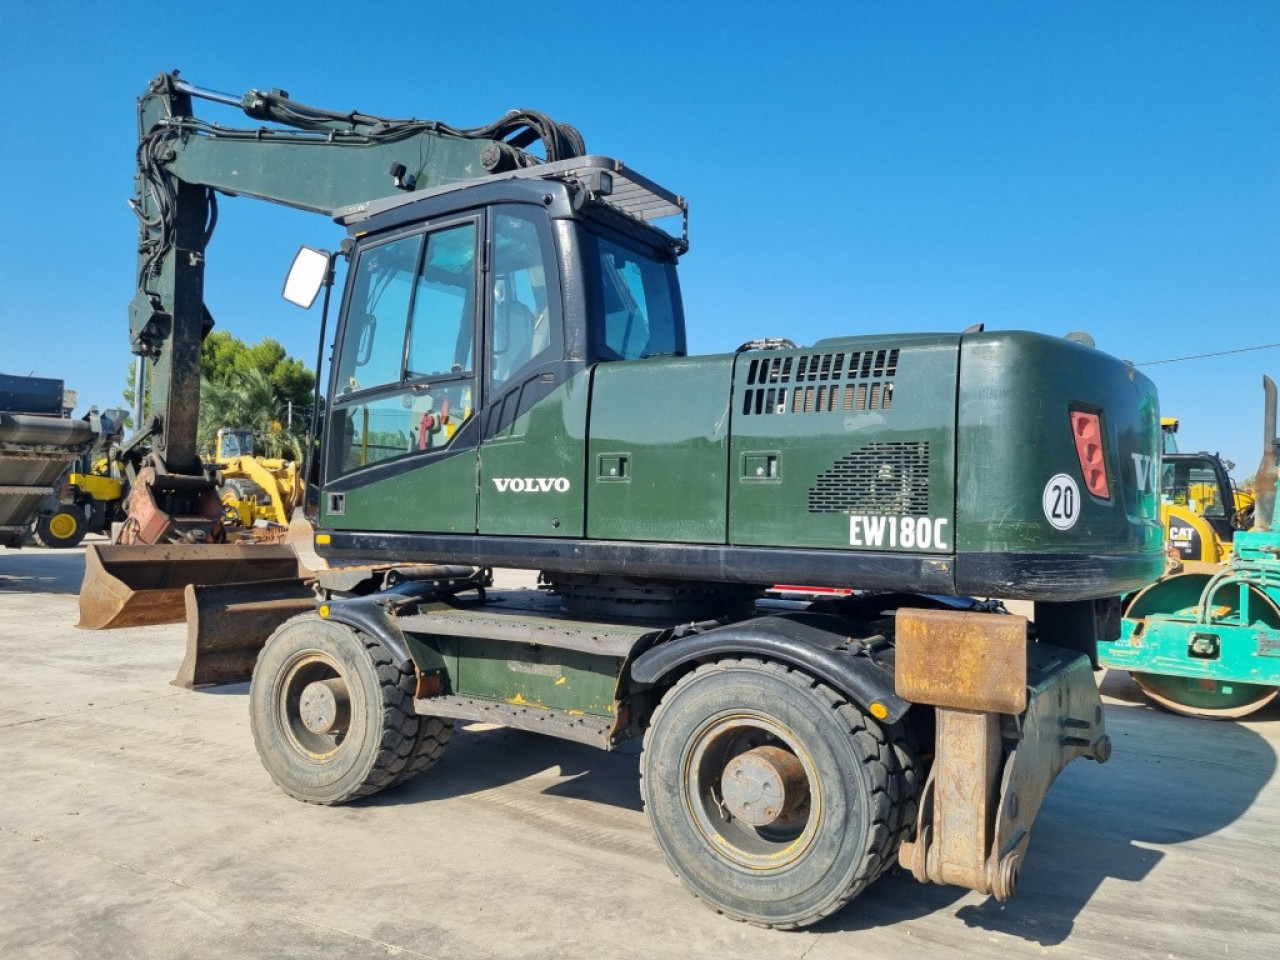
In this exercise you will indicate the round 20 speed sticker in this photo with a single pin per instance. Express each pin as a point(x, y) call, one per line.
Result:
point(1061, 501)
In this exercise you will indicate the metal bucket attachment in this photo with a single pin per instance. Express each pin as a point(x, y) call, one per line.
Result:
point(228, 624)
point(137, 585)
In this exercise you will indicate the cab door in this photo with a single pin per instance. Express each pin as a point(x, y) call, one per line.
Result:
point(533, 430)
point(400, 447)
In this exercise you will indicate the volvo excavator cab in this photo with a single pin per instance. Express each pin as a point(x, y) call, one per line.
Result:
point(467, 317)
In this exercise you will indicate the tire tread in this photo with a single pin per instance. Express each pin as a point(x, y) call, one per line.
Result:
point(891, 763)
point(407, 743)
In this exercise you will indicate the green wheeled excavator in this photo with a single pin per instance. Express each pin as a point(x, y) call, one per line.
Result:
point(510, 386)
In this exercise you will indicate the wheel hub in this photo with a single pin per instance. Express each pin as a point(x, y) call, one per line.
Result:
point(325, 706)
point(62, 526)
point(764, 785)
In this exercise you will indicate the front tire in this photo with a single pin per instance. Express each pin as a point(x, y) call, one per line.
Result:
point(774, 799)
point(60, 530)
point(332, 714)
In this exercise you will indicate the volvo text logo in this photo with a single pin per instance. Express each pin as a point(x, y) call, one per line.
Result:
point(531, 484)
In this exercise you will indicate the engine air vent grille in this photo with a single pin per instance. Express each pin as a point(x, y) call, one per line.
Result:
point(820, 383)
point(881, 479)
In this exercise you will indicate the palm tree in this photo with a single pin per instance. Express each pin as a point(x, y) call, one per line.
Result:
point(248, 401)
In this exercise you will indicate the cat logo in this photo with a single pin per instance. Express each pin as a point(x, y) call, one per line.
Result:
point(1185, 539)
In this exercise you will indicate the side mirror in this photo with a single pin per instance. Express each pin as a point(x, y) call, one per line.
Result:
point(310, 272)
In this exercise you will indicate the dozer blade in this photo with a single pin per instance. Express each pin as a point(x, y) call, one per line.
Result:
point(228, 624)
point(137, 585)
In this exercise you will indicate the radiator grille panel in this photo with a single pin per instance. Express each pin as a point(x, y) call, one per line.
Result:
point(881, 479)
point(820, 383)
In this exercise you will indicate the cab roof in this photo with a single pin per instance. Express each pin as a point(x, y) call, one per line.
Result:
point(604, 179)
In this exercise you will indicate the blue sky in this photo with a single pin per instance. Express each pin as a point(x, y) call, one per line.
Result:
point(857, 167)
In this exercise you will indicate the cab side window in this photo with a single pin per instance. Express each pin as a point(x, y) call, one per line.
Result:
point(637, 305)
point(442, 330)
point(525, 302)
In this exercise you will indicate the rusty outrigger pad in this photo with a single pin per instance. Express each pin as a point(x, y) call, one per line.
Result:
point(137, 585)
point(228, 624)
point(1009, 718)
point(962, 660)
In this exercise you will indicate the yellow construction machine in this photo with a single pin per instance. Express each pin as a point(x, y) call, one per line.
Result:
point(1201, 508)
point(255, 491)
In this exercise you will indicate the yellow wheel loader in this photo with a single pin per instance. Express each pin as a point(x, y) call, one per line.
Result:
point(89, 500)
point(255, 491)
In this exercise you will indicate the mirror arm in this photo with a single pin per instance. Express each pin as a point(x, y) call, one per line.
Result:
point(310, 459)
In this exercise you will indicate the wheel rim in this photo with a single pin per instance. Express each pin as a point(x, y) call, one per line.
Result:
point(62, 526)
point(1202, 697)
point(312, 698)
point(749, 821)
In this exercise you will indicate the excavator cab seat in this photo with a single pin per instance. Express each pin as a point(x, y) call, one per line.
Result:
point(520, 334)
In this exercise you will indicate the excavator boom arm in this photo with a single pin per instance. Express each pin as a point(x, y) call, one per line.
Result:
point(316, 160)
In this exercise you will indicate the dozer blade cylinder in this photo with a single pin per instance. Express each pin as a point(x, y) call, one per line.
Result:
point(136, 585)
point(228, 624)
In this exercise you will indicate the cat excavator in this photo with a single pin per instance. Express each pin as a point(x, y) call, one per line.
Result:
point(510, 386)
point(1201, 508)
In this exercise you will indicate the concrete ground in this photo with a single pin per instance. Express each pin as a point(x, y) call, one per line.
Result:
point(136, 821)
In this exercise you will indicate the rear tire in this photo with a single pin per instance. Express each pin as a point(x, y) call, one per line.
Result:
point(60, 530)
point(332, 714)
point(725, 743)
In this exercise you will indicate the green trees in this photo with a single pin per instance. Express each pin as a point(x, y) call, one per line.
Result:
point(257, 387)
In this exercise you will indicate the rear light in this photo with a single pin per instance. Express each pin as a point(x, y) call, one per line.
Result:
point(1086, 429)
